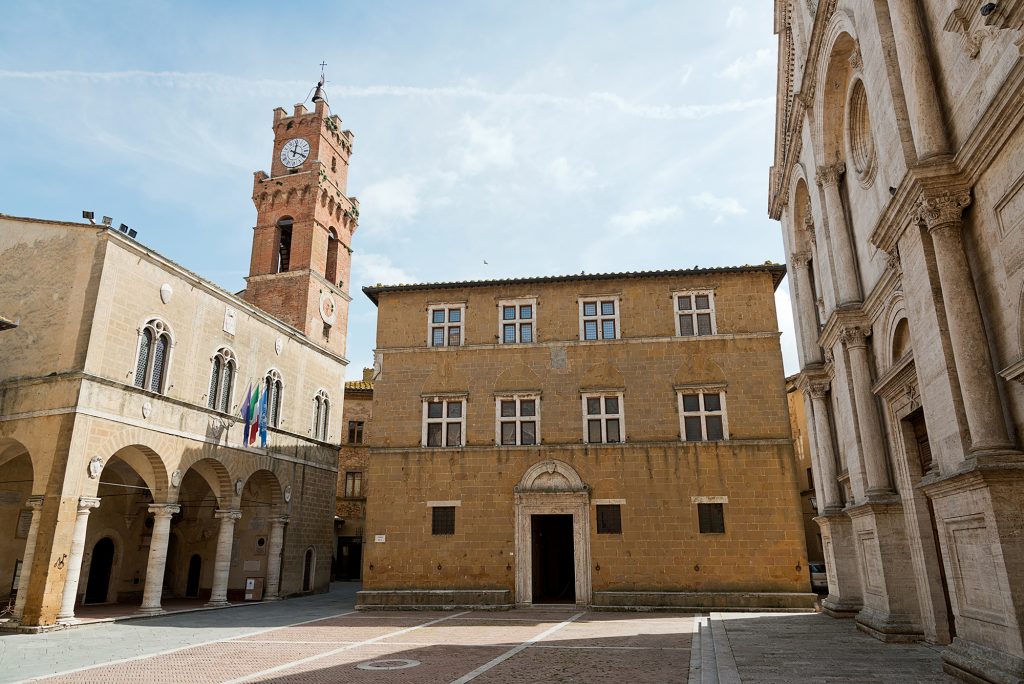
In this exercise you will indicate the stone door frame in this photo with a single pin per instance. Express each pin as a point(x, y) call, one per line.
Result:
point(552, 488)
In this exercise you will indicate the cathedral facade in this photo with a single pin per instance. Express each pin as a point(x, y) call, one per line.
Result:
point(899, 184)
point(162, 437)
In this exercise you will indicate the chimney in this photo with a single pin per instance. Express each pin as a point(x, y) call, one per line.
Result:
point(367, 375)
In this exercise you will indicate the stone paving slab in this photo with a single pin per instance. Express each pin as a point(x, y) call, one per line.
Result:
point(471, 632)
point(348, 628)
point(590, 665)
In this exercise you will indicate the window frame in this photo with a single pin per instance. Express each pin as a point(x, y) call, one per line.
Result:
point(701, 518)
point(598, 508)
point(599, 317)
point(447, 325)
point(518, 321)
point(321, 406)
point(273, 377)
point(676, 313)
point(355, 477)
point(158, 328)
point(444, 420)
point(434, 520)
point(227, 360)
point(702, 412)
point(518, 419)
point(356, 429)
point(603, 416)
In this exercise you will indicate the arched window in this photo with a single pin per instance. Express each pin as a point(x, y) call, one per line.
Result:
point(284, 244)
point(151, 361)
point(332, 256)
point(273, 388)
point(321, 415)
point(222, 380)
point(309, 569)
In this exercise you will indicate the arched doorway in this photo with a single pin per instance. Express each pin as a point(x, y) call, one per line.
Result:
point(552, 536)
point(309, 569)
point(100, 567)
point(16, 476)
point(262, 499)
point(195, 567)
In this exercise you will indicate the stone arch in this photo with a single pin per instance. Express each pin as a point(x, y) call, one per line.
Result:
point(895, 316)
point(551, 476)
point(141, 449)
point(803, 219)
point(699, 370)
point(517, 377)
point(833, 86)
point(214, 473)
point(116, 570)
point(10, 449)
point(265, 478)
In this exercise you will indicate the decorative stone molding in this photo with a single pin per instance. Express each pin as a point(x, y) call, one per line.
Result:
point(806, 96)
point(176, 479)
point(829, 175)
point(943, 210)
point(95, 467)
point(892, 261)
point(551, 476)
point(854, 336)
point(234, 515)
point(818, 390)
point(971, 26)
point(86, 504)
point(856, 61)
point(165, 510)
point(800, 259)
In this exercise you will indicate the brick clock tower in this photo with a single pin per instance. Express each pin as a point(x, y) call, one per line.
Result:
point(301, 249)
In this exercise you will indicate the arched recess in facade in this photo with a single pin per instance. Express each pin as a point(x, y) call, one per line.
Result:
point(17, 485)
point(262, 506)
point(552, 487)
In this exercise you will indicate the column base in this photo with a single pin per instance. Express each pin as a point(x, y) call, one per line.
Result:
point(217, 604)
point(151, 610)
point(884, 628)
point(974, 663)
point(72, 620)
point(838, 608)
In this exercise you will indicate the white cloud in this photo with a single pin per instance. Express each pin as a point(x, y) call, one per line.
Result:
point(719, 206)
point(377, 269)
point(567, 177)
point(633, 221)
point(784, 310)
point(748, 64)
point(485, 147)
point(684, 77)
point(392, 199)
point(737, 15)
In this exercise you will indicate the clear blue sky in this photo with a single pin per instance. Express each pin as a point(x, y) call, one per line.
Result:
point(542, 137)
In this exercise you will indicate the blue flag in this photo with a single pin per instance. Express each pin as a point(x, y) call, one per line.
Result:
point(263, 420)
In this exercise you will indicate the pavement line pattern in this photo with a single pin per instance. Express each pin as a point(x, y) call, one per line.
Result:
point(347, 647)
point(180, 648)
point(511, 652)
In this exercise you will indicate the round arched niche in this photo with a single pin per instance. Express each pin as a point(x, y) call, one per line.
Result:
point(551, 476)
point(900, 340)
point(860, 139)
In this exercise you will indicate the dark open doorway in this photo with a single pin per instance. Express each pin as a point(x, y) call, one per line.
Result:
point(554, 569)
point(195, 566)
point(99, 571)
point(350, 557)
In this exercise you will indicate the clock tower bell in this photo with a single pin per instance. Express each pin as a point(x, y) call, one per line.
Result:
point(301, 248)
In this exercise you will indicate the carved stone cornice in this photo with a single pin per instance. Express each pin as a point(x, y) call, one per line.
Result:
point(806, 96)
point(856, 61)
point(892, 261)
point(818, 390)
point(945, 209)
point(829, 175)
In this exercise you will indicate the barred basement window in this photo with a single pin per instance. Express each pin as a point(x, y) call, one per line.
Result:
point(151, 360)
point(355, 431)
point(444, 422)
point(609, 519)
point(222, 380)
point(695, 313)
point(702, 416)
point(602, 418)
point(518, 420)
point(599, 318)
point(273, 388)
point(445, 325)
point(518, 321)
point(443, 520)
point(711, 518)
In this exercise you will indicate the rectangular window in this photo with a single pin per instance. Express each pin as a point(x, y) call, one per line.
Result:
point(702, 416)
point(602, 419)
point(353, 484)
point(517, 420)
point(711, 518)
point(444, 422)
point(355, 432)
point(445, 325)
point(599, 318)
point(517, 321)
point(609, 519)
point(695, 313)
point(443, 520)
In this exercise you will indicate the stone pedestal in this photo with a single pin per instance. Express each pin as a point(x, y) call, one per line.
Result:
point(844, 591)
point(157, 558)
point(74, 562)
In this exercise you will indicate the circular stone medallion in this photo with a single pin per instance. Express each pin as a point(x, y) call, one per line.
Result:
point(388, 665)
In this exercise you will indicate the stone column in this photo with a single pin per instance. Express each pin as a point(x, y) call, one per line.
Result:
point(871, 439)
point(922, 98)
point(841, 241)
point(35, 504)
point(982, 405)
point(828, 497)
point(807, 321)
point(74, 561)
point(222, 562)
point(273, 588)
point(157, 557)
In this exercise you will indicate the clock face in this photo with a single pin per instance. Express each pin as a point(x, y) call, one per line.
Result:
point(294, 152)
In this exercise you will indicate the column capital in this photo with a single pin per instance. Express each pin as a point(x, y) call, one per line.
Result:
point(854, 336)
point(800, 259)
point(279, 520)
point(818, 390)
point(164, 510)
point(35, 502)
point(232, 515)
point(87, 503)
point(945, 209)
point(892, 261)
point(829, 175)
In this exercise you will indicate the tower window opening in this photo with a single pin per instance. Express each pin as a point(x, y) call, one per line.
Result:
point(284, 244)
point(334, 163)
point(331, 272)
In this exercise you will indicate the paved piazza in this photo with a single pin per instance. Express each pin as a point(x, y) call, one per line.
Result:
point(322, 639)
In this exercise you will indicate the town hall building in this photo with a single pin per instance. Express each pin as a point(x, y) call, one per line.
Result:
point(127, 474)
